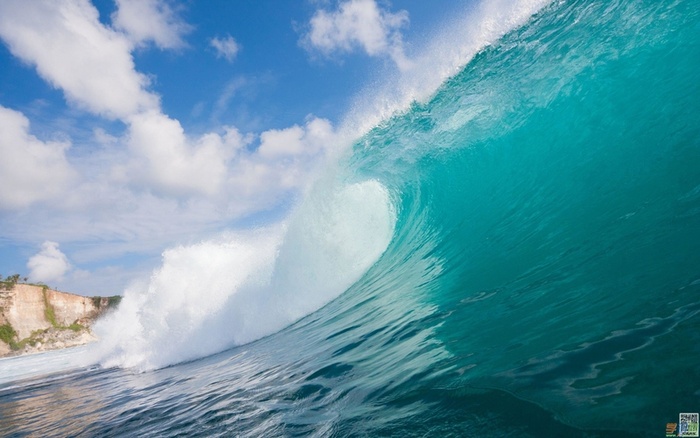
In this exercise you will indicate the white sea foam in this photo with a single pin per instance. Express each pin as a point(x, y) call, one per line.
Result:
point(217, 294)
point(34, 365)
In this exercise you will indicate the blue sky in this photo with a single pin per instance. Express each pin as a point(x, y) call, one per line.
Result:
point(130, 126)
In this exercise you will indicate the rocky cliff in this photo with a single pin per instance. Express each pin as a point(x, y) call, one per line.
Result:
point(35, 318)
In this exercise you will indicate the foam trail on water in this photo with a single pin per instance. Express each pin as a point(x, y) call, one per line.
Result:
point(17, 368)
point(217, 294)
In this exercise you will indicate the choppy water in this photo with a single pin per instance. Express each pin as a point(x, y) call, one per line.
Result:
point(516, 256)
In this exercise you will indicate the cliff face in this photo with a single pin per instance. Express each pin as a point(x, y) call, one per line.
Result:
point(36, 318)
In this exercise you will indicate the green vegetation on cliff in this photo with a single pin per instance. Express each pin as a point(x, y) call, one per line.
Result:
point(9, 282)
point(7, 333)
point(49, 312)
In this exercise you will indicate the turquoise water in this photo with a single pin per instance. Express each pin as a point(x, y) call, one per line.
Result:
point(542, 277)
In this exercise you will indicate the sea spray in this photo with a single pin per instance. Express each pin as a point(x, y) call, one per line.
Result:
point(220, 293)
point(164, 316)
point(436, 59)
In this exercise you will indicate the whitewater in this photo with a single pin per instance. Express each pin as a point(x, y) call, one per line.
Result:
point(506, 244)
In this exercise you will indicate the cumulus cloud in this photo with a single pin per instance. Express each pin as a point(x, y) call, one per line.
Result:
point(359, 23)
point(284, 161)
point(150, 20)
point(94, 67)
point(73, 51)
point(169, 161)
point(176, 164)
point(113, 216)
point(30, 170)
point(226, 48)
point(296, 141)
point(49, 264)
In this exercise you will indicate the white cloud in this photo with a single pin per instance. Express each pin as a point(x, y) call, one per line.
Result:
point(150, 20)
point(285, 162)
point(109, 218)
point(73, 51)
point(296, 141)
point(93, 65)
point(30, 170)
point(282, 142)
point(220, 164)
point(50, 264)
point(226, 48)
point(215, 163)
point(359, 23)
point(176, 165)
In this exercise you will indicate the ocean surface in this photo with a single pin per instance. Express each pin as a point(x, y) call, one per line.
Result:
point(516, 254)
